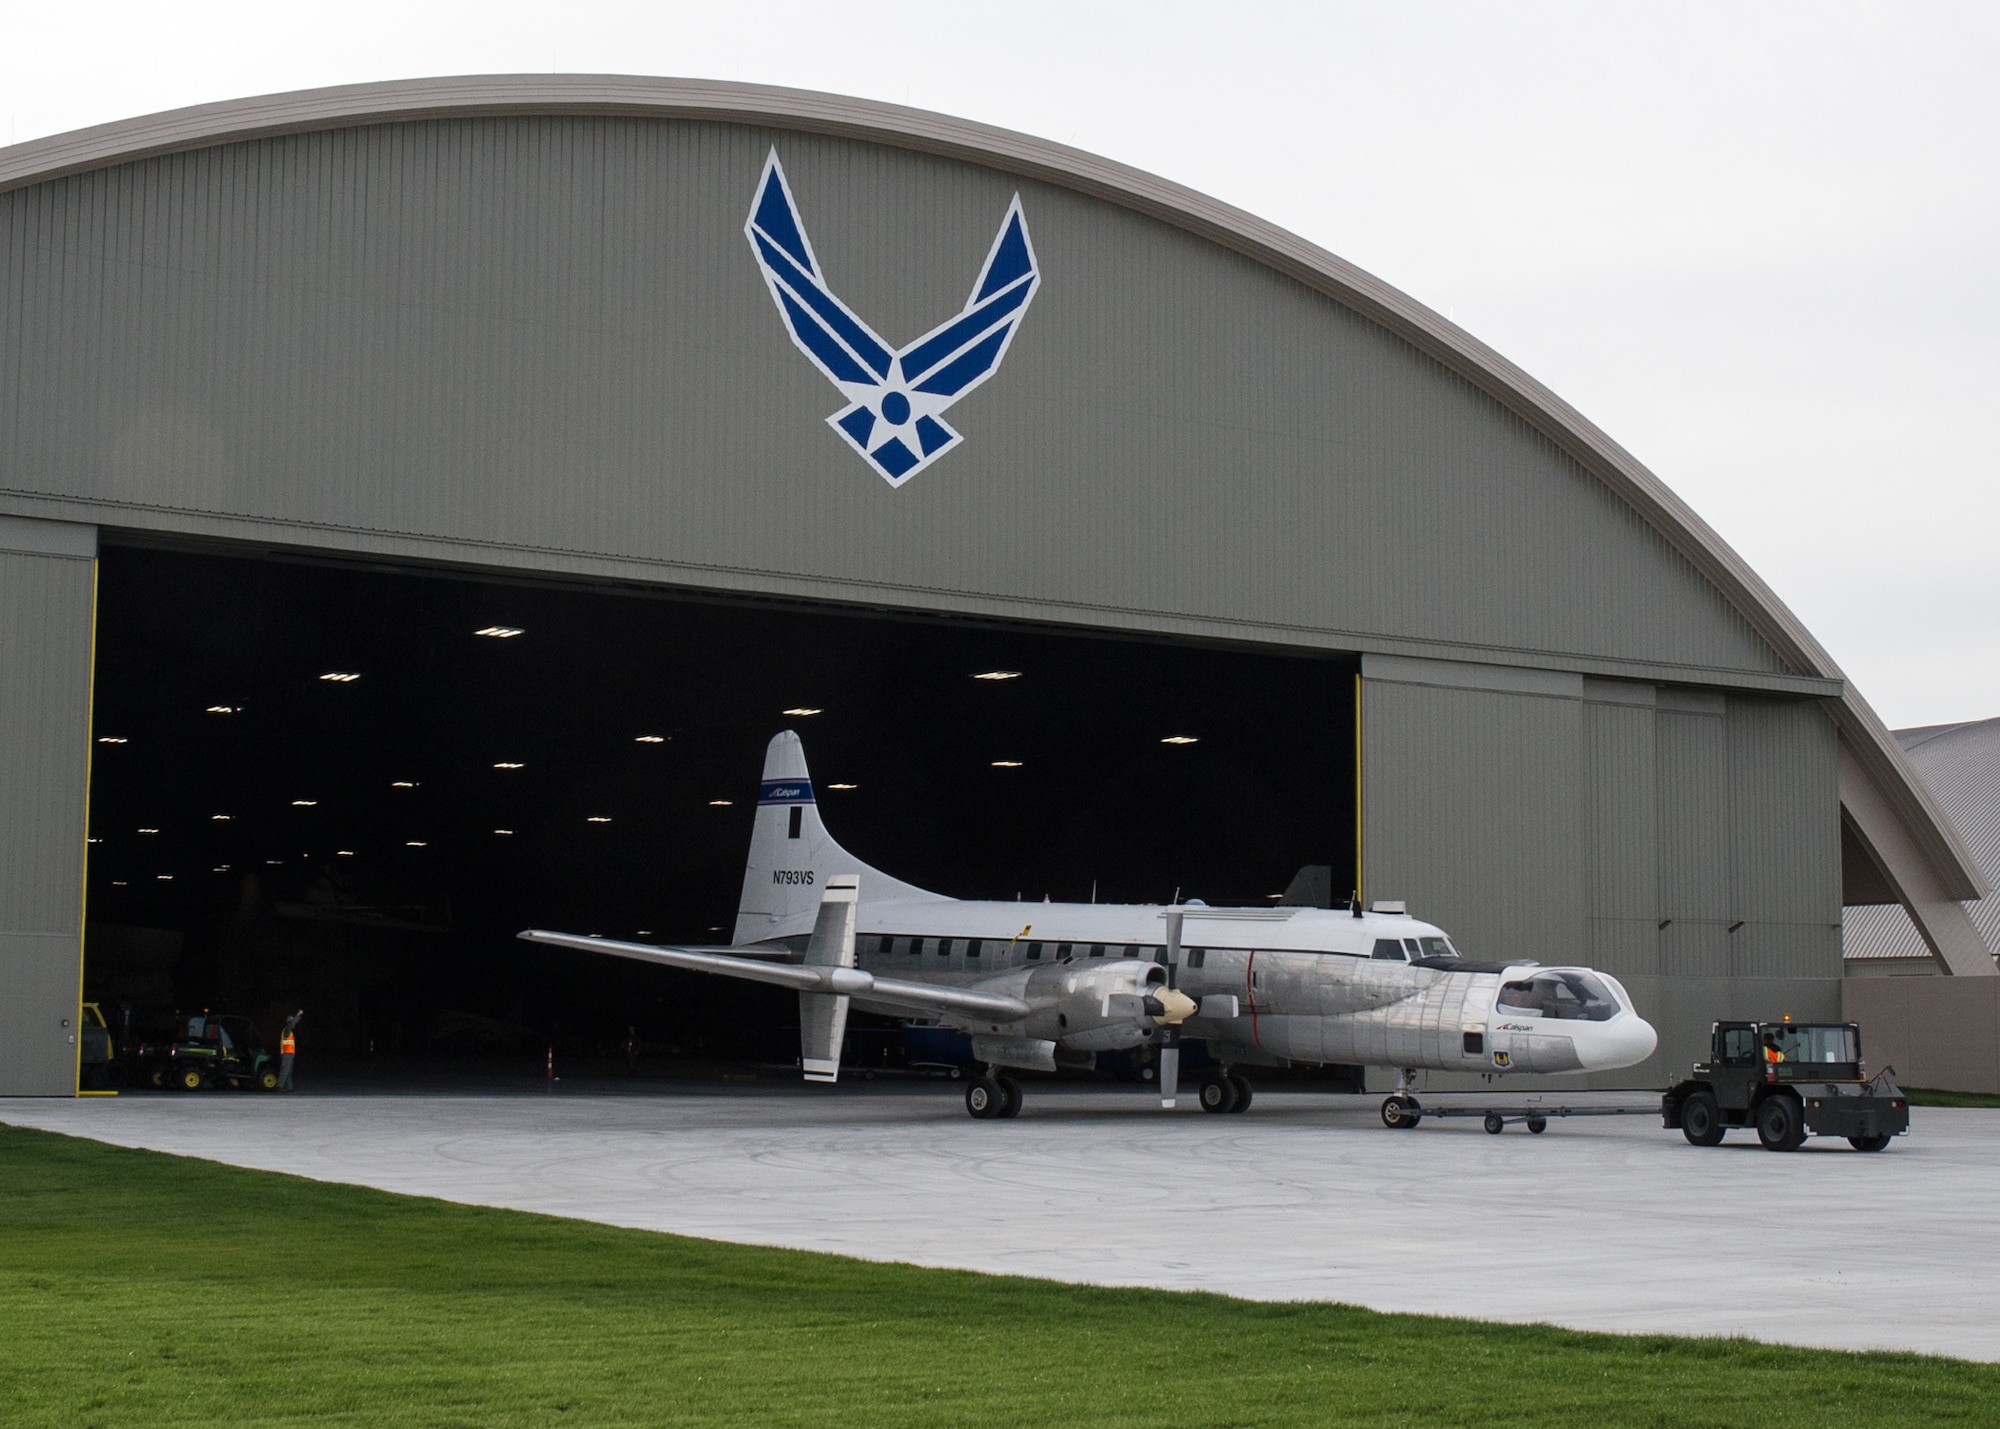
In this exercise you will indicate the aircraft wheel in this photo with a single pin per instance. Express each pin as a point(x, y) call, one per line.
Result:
point(1244, 1096)
point(986, 1098)
point(1400, 1113)
point(1867, 1143)
point(1537, 1125)
point(188, 1079)
point(1779, 1125)
point(1495, 1123)
point(1217, 1094)
point(1011, 1089)
point(1701, 1123)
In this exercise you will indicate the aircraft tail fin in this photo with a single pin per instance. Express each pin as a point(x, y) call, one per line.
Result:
point(792, 855)
point(823, 1015)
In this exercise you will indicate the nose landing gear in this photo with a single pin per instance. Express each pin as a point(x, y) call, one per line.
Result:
point(1401, 1110)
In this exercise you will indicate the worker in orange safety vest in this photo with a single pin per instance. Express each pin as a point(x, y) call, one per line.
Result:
point(287, 1049)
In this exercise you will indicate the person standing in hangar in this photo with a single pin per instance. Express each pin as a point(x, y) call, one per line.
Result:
point(288, 1049)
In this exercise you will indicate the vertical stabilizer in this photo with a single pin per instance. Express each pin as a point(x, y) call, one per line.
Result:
point(792, 855)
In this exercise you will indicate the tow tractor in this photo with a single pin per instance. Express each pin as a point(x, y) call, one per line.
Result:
point(1789, 1080)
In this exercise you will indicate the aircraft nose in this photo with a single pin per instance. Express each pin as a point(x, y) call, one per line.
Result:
point(1626, 1041)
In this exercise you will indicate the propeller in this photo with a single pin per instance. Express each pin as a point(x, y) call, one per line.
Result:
point(1170, 1032)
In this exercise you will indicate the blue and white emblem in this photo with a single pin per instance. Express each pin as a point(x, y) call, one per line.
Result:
point(896, 398)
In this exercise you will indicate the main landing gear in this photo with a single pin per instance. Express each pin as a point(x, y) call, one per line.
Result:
point(1224, 1092)
point(993, 1096)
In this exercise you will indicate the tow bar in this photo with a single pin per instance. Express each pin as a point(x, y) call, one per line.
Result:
point(1403, 1111)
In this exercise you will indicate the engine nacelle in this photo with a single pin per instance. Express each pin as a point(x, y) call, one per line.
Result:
point(1103, 1006)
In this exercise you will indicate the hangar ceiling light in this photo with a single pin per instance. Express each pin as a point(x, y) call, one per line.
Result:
point(343, 853)
point(341, 677)
point(111, 739)
point(304, 803)
point(503, 831)
point(843, 786)
point(720, 803)
point(501, 632)
point(598, 819)
point(1180, 739)
point(510, 764)
point(416, 843)
point(803, 713)
point(149, 831)
point(221, 818)
point(651, 739)
point(998, 675)
point(404, 784)
point(1006, 764)
point(225, 709)
point(164, 877)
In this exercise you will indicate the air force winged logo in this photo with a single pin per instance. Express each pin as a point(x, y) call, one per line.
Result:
point(896, 399)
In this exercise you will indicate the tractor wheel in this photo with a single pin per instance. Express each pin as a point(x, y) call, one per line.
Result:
point(1011, 1089)
point(986, 1099)
point(1217, 1094)
point(267, 1080)
point(1244, 1096)
point(1494, 1123)
point(157, 1077)
point(1868, 1143)
point(1401, 1113)
point(1779, 1125)
point(189, 1079)
point(1701, 1121)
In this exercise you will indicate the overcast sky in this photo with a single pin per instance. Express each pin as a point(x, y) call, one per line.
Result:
point(1755, 242)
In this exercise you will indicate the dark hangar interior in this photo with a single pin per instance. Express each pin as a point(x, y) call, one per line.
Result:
point(346, 786)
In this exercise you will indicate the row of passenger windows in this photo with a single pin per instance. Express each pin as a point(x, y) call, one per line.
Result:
point(973, 948)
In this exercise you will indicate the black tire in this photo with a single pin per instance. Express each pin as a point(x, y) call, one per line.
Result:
point(1401, 1113)
point(1701, 1121)
point(986, 1099)
point(157, 1077)
point(1780, 1126)
point(1537, 1125)
point(1868, 1143)
point(1217, 1094)
point(267, 1080)
point(189, 1079)
point(1495, 1123)
point(1244, 1096)
point(1012, 1089)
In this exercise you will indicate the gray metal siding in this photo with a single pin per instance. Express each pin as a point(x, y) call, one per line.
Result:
point(1691, 841)
point(45, 634)
point(542, 339)
point(1470, 803)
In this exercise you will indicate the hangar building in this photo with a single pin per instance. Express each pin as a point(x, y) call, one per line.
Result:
point(327, 384)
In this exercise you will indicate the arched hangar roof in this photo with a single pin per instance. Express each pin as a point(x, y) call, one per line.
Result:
point(1894, 823)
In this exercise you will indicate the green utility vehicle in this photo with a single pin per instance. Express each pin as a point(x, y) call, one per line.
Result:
point(209, 1051)
point(1790, 1080)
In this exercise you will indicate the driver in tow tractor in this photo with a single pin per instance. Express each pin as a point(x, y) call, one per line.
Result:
point(1772, 1056)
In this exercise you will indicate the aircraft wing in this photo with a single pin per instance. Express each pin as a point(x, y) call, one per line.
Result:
point(897, 992)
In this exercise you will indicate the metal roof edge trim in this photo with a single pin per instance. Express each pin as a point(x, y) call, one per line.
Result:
point(485, 96)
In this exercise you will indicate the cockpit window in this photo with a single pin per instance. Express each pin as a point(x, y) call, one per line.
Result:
point(1389, 948)
point(1438, 948)
point(1570, 996)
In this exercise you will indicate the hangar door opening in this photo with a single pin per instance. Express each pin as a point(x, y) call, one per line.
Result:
point(345, 788)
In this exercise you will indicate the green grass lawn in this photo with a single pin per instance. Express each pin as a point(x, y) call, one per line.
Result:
point(1931, 1096)
point(142, 1289)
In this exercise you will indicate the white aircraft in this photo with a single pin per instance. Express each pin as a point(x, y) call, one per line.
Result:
point(1043, 986)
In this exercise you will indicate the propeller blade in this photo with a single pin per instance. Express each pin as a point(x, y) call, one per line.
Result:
point(1174, 917)
point(1170, 1070)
